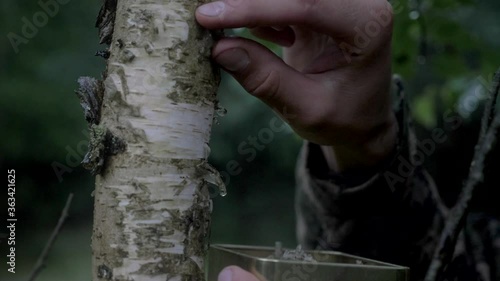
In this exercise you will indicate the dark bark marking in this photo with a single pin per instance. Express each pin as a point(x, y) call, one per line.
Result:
point(106, 21)
point(101, 145)
point(104, 272)
point(90, 93)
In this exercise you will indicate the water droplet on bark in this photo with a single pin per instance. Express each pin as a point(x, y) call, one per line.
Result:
point(212, 176)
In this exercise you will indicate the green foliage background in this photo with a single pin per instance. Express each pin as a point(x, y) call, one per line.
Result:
point(41, 122)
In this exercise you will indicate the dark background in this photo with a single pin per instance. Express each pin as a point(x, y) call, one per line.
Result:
point(442, 48)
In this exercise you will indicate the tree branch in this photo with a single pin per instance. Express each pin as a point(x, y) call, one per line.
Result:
point(489, 110)
point(456, 219)
point(40, 263)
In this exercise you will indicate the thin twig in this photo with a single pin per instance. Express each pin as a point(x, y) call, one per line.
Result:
point(489, 109)
point(422, 25)
point(40, 263)
point(456, 219)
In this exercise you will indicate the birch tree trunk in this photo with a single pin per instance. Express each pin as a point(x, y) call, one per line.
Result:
point(152, 204)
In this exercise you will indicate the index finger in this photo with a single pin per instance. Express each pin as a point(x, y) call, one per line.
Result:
point(337, 18)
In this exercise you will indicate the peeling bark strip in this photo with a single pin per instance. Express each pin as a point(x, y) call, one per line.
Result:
point(106, 21)
point(90, 93)
point(152, 206)
point(102, 142)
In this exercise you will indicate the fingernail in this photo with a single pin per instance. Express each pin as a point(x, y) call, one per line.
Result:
point(225, 275)
point(233, 59)
point(212, 9)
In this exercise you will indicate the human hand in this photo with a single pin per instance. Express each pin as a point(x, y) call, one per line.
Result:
point(335, 76)
point(235, 273)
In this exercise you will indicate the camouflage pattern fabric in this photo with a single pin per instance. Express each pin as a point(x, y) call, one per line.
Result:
point(392, 214)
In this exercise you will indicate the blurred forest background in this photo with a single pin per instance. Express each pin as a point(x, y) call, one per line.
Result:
point(446, 50)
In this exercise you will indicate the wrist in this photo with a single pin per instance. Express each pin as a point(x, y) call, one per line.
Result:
point(367, 154)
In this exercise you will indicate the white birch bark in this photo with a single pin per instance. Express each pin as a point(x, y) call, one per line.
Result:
point(152, 205)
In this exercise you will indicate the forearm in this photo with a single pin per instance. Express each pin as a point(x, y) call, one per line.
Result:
point(378, 212)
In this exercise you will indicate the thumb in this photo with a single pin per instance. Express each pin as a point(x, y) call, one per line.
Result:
point(235, 273)
point(263, 74)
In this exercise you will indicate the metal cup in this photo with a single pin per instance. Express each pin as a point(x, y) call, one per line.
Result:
point(326, 265)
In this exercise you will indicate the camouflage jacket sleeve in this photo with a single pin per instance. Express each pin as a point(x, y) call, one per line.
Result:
point(392, 214)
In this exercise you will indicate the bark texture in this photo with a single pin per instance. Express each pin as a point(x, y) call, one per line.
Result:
point(152, 203)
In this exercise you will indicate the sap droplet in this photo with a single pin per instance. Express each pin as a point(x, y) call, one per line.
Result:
point(223, 193)
point(206, 150)
point(221, 111)
point(212, 176)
